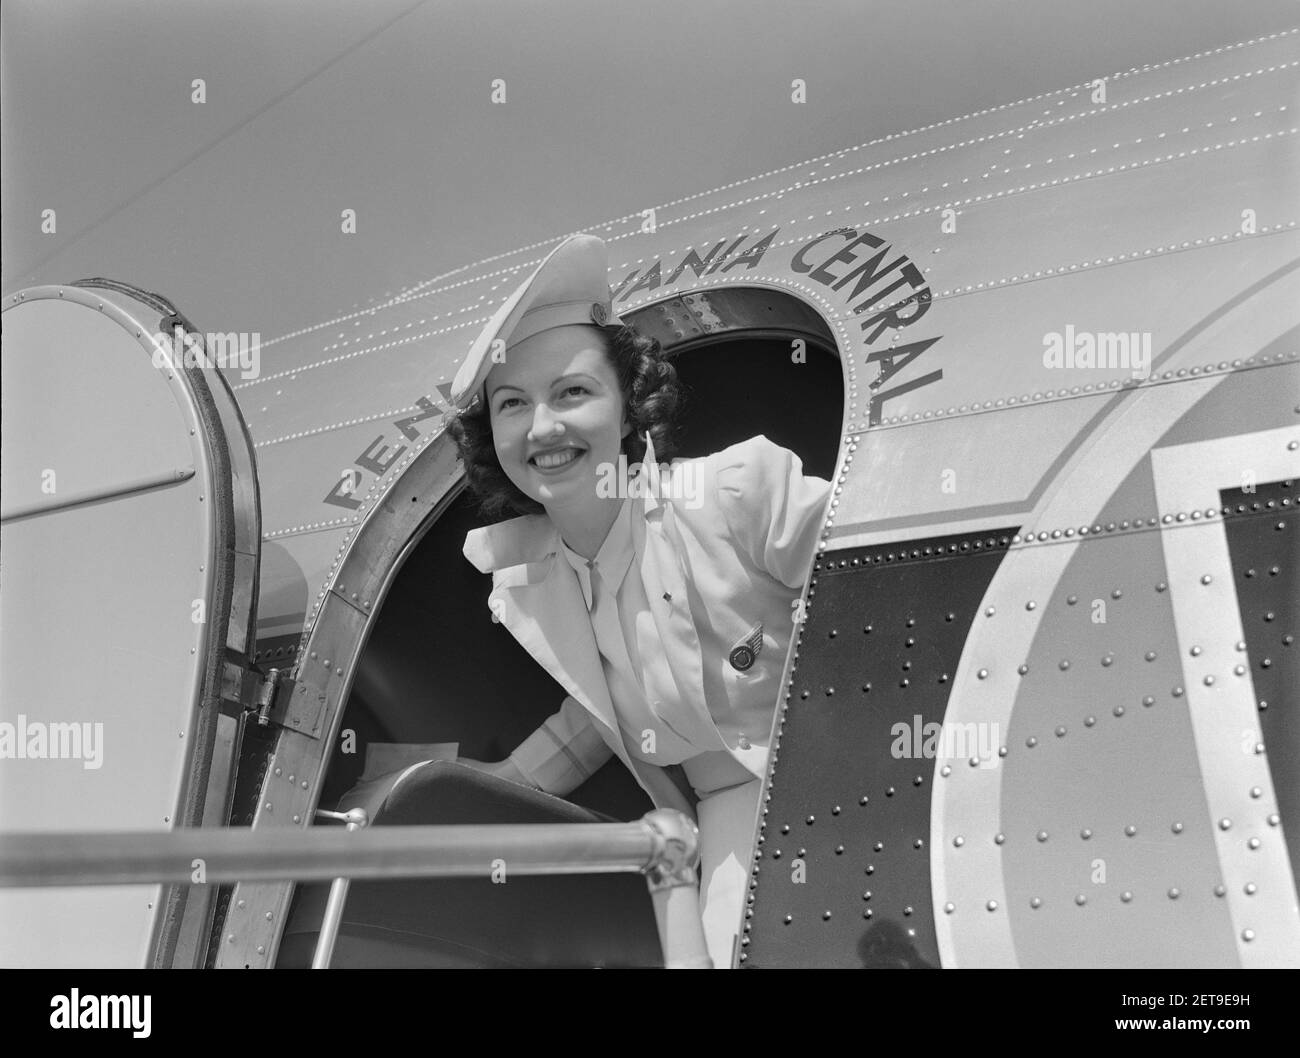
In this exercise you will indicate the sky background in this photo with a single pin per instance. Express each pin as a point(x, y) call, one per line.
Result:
point(232, 208)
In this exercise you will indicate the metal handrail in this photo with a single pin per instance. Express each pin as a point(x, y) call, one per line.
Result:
point(663, 845)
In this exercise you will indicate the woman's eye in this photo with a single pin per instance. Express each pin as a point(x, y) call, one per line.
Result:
point(575, 389)
point(507, 402)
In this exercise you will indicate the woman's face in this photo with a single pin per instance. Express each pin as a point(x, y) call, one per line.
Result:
point(557, 414)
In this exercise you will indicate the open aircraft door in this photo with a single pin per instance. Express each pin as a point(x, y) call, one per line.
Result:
point(130, 535)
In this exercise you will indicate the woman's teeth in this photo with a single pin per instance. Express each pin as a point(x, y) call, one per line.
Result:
point(551, 460)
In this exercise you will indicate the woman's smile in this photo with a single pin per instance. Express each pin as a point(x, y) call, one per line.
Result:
point(556, 460)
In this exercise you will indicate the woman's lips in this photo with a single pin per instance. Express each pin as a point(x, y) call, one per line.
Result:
point(573, 455)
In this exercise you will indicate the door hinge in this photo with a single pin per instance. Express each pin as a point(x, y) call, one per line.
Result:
point(272, 698)
point(250, 691)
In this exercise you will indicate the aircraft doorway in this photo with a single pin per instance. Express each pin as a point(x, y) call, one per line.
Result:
point(436, 669)
point(738, 387)
point(735, 353)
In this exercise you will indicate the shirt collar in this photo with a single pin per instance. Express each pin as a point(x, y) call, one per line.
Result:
point(611, 560)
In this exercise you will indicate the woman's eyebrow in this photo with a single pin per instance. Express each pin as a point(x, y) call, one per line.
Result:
point(572, 374)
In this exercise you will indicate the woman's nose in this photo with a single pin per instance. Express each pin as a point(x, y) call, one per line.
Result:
point(545, 423)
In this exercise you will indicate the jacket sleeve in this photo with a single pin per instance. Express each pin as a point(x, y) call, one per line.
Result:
point(564, 752)
point(774, 510)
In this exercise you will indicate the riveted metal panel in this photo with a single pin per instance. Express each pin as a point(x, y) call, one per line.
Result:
point(1104, 834)
point(843, 862)
point(1263, 530)
point(1111, 830)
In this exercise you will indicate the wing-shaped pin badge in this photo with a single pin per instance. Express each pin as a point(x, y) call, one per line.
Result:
point(746, 650)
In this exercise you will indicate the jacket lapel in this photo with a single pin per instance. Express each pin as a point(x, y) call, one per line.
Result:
point(536, 595)
point(541, 604)
point(663, 575)
point(663, 570)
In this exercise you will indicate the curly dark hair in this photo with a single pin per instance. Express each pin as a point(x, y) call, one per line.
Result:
point(652, 396)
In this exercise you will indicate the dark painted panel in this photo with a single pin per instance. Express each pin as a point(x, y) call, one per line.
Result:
point(884, 631)
point(1264, 540)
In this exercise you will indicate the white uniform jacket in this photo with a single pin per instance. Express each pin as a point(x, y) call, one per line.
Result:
point(723, 547)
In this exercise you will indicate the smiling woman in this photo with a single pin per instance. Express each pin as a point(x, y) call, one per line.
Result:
point(667, 622)
point(631, 364)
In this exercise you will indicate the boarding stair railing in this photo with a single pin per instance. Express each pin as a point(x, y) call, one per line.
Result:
point(663, 845)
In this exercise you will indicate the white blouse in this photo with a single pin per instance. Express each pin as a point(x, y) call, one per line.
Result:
point(641, 685)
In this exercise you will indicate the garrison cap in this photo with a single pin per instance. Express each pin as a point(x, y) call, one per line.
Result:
point(569, 286)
